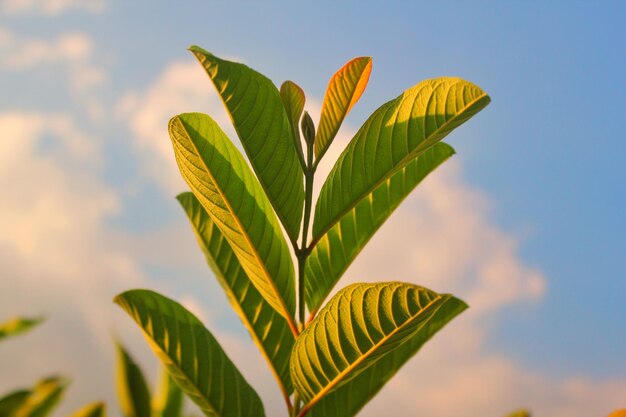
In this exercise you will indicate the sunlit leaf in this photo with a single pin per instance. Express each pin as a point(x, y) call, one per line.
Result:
point(360, 326)
point(17, 326)
point(269, 330)
point(132, 391)
point(220, 178)
point(338, 247)
point(262, 124)
point(343, 91)
point(10, 403)
point(192, 356)
point(44, 397)
point(97, 409)
point(293, 99)
point(391, 138)
point(168, 399)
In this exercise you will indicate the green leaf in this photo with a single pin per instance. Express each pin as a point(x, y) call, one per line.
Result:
point(337, 248)
point(43, 398)
point(97, 409)
point(349, 398)
point(168, 402)
point(192, 356)
point(263, 126)
point(293, 99)
point(18, 325)
point(343, 91)
point(10, 403)
point(226, 187)
point(269, 330)
point(132, 391)
point(360, 326)
point(391, 138)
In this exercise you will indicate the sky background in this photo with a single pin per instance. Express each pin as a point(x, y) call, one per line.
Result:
point(526, 222)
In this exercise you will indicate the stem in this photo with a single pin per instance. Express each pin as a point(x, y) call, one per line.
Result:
point(303, 252)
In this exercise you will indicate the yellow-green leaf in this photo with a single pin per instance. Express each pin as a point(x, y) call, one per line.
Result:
point(44, 397)
point(97, 409)
point(10, 403)
point(360, 326)
point(269, 330)
point(262, 124)
point(391, 138)
point(337, 248)
point(168, 400)
point(192, 356)
point(349, 398)
point(344, 90)
point(132, 390)
point(18, 325)
point(293, 99)
point(220, 178)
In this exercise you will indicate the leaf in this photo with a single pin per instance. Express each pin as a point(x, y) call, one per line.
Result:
point(343, 91)
point(391, 138)
point(348, 399)
point(337, 248)
point(269, 330)
point(168, 402)
point(360, 326)
point(223, 183)
point(262, 124)
point(10, 403)
point(97, 409)
point(293, 99)
point(192, 356)
point(44, 397)
point(132, 390)
point(521, 413)
point(18, 325)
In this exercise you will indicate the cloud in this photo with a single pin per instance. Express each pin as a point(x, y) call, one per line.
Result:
point(50, 8)
point(182, 87)
point(73, 51)
point(56, 253)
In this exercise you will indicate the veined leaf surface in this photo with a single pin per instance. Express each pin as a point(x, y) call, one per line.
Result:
point(168, 400)
point(262, 124)
point(343, 91)
point(44, 397)
point(17, 326)
point(338, 247)
point(132, 390)
point(226, 187)
point(97, 409)
point(349, 398)
point(269, 330)
point(392, 137)
point(192, 356)
point(293, 99)
point(360, 325)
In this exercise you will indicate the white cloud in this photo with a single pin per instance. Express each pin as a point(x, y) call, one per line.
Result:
point(56, 254)
point(73, 51)
point(182, 87)
point(50, 8)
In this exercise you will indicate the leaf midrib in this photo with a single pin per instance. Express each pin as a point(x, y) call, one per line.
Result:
point(404, 161)
point(243, 234)
point(239, 310)
point(362, 358)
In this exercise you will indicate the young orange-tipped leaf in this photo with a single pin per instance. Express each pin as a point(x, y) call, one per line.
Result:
point(344, 90)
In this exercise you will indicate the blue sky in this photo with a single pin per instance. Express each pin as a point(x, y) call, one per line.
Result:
point(535, 193)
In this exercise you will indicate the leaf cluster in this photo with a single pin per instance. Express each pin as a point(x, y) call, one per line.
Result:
point(278, 256)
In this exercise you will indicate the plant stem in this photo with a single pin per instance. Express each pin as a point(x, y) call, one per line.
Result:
point(303, 252)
